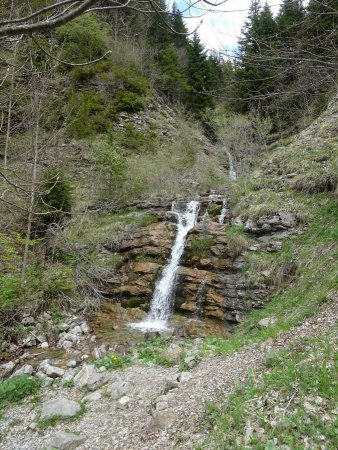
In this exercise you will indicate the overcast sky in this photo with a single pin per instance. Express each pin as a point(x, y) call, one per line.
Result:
point(220, 27)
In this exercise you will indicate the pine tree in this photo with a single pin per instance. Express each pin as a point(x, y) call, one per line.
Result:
point(199, 77)
point(255, 69)
point(180, 38)
point(159, 34)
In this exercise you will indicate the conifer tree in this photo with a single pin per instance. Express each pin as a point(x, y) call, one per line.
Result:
point(199, 77)
point(180, 38)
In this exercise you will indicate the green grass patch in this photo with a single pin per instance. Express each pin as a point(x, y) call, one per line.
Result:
point(56, 418)
point(200, 246)
point(313, 252)
point(100, 228)
point(151, 352)
point(14, 390)
point(112, 361)
point(291, 403)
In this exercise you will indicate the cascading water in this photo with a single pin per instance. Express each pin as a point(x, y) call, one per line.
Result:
point(224, 211)
point(232, 171)
point(162, 302)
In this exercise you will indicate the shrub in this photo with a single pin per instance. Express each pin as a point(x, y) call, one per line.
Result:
point(316, 181)
point(86, 113)
point(200, 247)
point(128, 101)
point(83, 39)
point(112, 361)
point(110, 163)
point(55, 200)
point(14, 390)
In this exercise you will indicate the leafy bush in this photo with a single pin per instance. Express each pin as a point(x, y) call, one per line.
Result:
point(87, 114)
point(83, 39)
point(151, 351)
point(128, 101)
point(57, 279)
point(110, 163)
point(55, 200)
point(112, 361)
point(14, 390)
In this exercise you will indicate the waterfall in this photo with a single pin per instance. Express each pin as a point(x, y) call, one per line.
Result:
point(232, 171)
point(162, 302)
point(224, 211)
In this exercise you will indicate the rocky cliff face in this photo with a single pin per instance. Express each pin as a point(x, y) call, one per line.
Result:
point(210, 282)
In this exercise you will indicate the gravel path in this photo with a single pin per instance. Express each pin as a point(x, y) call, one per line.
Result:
point(141, 426)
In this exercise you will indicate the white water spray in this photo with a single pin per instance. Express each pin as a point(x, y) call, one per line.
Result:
point(162, 302)
point(232, 171)
point(224, 211)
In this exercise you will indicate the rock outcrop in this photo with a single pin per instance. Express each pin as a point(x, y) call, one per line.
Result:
point(209, 283)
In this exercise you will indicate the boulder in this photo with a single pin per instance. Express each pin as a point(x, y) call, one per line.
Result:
point(6, 369)
point(92, 397)
point(90, 377)
point(26, 369)
point(61, 407)
point(64, 441)
point(54, 372)
point(172, 353)
point(120, 388)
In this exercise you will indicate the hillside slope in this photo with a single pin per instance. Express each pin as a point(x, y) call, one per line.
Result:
point(285, 216)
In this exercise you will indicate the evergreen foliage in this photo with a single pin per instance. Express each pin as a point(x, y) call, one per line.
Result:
point(55, 199)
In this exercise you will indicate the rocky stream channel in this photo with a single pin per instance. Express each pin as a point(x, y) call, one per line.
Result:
point(209, 293)
point(184, 257)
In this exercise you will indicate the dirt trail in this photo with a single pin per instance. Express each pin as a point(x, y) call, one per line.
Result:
point(176, 422)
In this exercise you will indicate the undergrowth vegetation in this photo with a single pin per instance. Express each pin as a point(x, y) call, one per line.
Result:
point(290, 403)
point(14, 390)
point(299, 273)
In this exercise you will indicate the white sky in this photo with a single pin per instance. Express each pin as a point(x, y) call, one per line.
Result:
point(219, 27)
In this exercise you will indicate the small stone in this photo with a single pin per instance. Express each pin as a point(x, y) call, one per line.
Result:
point(41, 338)
point(85, 328)
point(63, 326)
point(162, 419)
point(76, 330)
point(185, 376)
point(69, 375)
point(32, 426)
point(123, 402)
point(170, 384)
point(66, 345)
point(30, 341)
point(119, 389)
point(92, 397)
point(162, 405)
point(84, 357)
point(267, 322)
point(43, 365)
point(61, 407)
point(72, 363)
point(28, 321)
point(44, 345)
point(65, 441)
point(190, 361)
point(46, 316)
point(26, 369)
point(54, 372)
